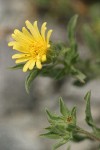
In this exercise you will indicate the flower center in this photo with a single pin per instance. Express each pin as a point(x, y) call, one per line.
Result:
point(37, 49)
point(69, 119)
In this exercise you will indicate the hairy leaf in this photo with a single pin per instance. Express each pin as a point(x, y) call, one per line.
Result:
point(63, 109)
point(89, 118)
point(73, 113)
point(60, 144)
point(51, 135)
point(52, 116)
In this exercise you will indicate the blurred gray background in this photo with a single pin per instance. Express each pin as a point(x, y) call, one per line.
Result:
point(22, 116)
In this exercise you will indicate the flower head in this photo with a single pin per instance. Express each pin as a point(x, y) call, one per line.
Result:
point(31, 44)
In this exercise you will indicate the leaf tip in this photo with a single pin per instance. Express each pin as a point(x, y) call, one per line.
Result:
point(60, 100)
point(88, 95)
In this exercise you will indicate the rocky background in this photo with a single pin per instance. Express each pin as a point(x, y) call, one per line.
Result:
point(22, 116)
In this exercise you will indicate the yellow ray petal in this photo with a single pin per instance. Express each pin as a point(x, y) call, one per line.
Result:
point(44, 58)
point(26, 33)
point(43, 29)
point(38, 64)
point(29, 26)
point(20, 56)
point(48, 36)
point(32, 30)
point(32, 64)
point(11, 43)
point(26, 66)
point(21, 60)
point(21, 48)
point(20, 37)
point(35, 26)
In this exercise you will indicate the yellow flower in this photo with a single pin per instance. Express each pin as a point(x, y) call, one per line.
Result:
point(32, 45)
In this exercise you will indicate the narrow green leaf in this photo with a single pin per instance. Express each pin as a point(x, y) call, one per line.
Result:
point(78, 138)
point(88, 118)
point(51, 135)
point(32, 75)
point(81, 77)
point(71, 34)
point(48, 128)
point(49, 71)
point(71, 57)
point(61, 127)
point(78, 74)
point(73, 113)
point(60, 144)
point(56, 129)
point(18, 66)
point(52, 116)
point(63, 109)
point(60, 74)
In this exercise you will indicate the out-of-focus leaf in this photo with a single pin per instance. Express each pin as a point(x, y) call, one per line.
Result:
point(71, 27)
point(68, 148)
point(32, 75)
point(79, 83)
point(90, 39)
point(71, 57)
point(43, 3)
point(78, 74)
point(71, 32)
point(54, 72)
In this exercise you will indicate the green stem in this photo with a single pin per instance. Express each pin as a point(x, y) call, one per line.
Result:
point(88, 134)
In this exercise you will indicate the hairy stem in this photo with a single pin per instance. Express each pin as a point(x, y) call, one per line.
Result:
point(88, 134)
